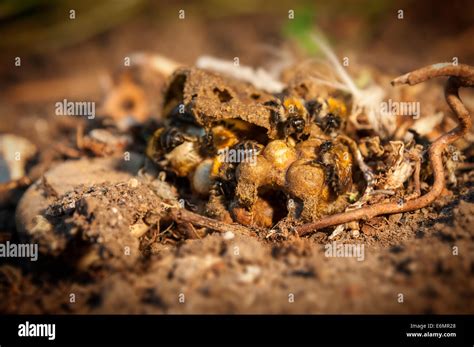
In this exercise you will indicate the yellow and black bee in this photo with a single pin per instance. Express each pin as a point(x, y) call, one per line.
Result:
point(294, 116)
point(190, 150)
point(332, 119)
point(337, 164)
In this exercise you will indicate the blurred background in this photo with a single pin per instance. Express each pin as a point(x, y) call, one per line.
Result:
point(69, 57)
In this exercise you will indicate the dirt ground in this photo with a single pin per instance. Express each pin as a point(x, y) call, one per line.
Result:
point(425, 257)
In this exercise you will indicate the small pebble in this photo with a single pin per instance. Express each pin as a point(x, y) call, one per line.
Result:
point(133, 183)
point(229, 235)
point(139, 229)
point(250, 274)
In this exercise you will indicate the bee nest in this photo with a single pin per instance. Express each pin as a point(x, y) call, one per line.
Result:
point(251, 154)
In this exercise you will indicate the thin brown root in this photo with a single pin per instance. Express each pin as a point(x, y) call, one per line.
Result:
point(382, 192)
point(180, 215)
point(459, 76)
point(67, 151)
point(465, 167)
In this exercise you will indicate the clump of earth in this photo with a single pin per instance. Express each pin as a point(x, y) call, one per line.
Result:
point(100, 242)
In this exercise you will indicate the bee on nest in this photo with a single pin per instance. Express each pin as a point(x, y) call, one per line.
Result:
point(188, 150)
point(298, 119)
point(248, 172)
point(315, 174)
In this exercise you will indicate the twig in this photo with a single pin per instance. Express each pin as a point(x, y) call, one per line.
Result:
point(382, 192)
point(14, 184)
point(67, 151)
point(465, 166)
point(180, 215)
point(459, 76)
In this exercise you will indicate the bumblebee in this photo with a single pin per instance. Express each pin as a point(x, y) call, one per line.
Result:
point(171, 138)
point(289, 117)
point(153, 148)
point(181, 114)
point(337, 164)
point(293, 116)
point(336, 106)
point(334, 114)
point(249, 146)
point(297, 114)
point(222, 187)
point(315, 172)
point(198, 157)
point(164, 140)
point(223, 137)
point(329, 123)
point(294, 106)
point(226, 170)
point(313, 107)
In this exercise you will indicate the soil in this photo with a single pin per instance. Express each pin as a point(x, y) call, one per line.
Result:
point(221, 273)
point(417, 262)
